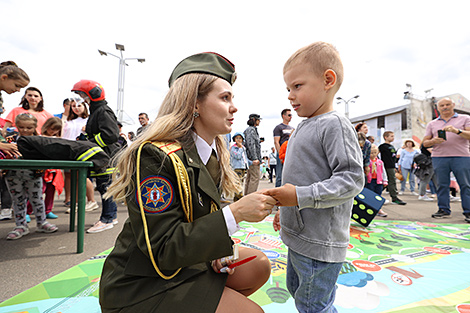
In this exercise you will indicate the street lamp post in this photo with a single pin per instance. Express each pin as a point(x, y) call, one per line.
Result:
point(346, 103)
point(122, 65)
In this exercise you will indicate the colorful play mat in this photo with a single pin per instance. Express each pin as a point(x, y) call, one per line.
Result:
point(392, 266)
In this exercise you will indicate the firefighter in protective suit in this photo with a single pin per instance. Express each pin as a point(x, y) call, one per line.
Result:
point(103, 130)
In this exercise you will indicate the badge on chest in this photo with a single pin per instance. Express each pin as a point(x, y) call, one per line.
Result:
point(157, 194)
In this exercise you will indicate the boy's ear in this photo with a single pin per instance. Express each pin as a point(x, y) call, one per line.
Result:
point(330, 79)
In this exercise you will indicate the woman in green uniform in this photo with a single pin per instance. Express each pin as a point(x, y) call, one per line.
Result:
point(167, 257)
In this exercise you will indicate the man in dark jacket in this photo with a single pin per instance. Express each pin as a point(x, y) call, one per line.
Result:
point(101, 129)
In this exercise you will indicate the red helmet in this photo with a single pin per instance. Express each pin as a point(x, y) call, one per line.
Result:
point(93, 89)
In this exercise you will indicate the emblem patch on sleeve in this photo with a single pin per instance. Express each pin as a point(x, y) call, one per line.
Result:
point(157, 194)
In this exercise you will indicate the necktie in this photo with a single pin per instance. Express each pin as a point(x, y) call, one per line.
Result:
point(214, 168)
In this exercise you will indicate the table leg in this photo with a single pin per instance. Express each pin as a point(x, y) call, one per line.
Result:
point(82, 176)
point(73, 198)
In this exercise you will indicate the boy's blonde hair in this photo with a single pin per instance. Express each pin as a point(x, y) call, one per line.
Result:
point(321, 56)
point(374, 147)
point(174, 123)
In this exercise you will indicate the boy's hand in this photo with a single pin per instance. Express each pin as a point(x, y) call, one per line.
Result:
point(285, 195)
point(277, 221)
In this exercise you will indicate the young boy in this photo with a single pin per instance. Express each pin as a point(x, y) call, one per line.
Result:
point(322, 174)
point(388, 154)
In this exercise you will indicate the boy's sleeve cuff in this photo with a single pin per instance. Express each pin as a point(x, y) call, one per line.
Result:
point(305, 197)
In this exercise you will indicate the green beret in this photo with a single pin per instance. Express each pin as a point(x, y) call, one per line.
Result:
point(207, 63)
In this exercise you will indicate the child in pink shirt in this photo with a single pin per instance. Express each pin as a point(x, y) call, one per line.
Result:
point(377, 176)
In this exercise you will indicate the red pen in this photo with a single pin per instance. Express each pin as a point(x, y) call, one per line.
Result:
point(235, 264)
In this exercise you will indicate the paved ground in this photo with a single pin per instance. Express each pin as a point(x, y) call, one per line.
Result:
point(36, 257)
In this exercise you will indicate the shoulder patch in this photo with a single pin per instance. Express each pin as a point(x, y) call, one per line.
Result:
point(167, 147)
point(156, 194)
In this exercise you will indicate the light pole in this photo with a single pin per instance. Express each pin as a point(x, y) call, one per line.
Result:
point(346, 109)
point(122, 64)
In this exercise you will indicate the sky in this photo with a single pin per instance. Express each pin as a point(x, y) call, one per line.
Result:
point(384, 45)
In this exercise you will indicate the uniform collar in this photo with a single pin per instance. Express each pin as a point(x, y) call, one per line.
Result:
point(94, 105)
point(203, 148)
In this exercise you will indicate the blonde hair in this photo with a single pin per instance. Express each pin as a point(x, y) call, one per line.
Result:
point(27, 117)
point(174, 123)
point(374, 147)
point(321, 56)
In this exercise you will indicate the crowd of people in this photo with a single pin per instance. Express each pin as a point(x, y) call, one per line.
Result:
point(384, 165)
point(86, 116)
point(175, 250)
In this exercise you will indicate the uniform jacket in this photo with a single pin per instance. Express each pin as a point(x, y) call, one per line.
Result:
point(128, 276)
point(50, 148)
point(102, 127)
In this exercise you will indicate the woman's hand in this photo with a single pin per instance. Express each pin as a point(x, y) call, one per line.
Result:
point(253, 207)
point(217, 265)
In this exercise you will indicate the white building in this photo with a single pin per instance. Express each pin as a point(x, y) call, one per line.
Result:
point(408, 121)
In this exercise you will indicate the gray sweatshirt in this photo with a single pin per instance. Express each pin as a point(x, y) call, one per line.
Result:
point(324, 162)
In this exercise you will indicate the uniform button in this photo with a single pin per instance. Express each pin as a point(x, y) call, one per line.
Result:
point(190, 160)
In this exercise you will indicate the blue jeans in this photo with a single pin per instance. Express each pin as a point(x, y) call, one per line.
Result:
point(460, 166)
point(405, 172)
point(312, 283)
point(109, 211)
point(377, 188)
point(278, 171)
point(432, 185)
